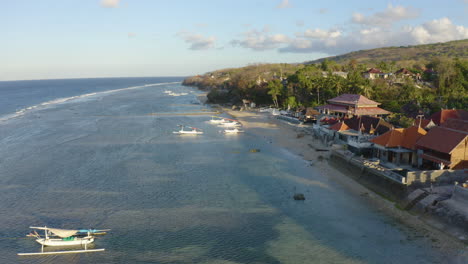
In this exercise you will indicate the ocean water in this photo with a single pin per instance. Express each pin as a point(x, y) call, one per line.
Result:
point(100, 153)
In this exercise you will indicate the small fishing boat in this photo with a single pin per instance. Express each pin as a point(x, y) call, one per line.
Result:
point(217, 120)
point(56, 237)
point(233, 131)
point(194, 131)
point(230, 124)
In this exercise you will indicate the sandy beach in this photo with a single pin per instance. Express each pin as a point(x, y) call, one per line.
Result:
point(299, 141)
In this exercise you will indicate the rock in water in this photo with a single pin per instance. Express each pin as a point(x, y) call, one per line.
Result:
point(299, 197)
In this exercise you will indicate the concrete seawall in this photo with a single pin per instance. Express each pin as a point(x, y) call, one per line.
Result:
point(377, 181)
point(445, 210)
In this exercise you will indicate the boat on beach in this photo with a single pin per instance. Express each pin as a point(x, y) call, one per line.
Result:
point(56, 237)
point(194, 131)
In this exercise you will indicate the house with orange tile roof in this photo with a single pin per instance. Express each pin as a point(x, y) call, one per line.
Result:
point(445, 146)
point(348, 105)
point(444, 114)
point(398, 145)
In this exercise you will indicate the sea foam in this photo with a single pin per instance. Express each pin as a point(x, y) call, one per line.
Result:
point(71, 98)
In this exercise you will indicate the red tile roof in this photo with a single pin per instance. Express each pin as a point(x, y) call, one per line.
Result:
point(411, 136)
point(403, 71)
point(390, 139)
point(400, 137)
point(353, 99)
point(374, 70)
point(442, 139)
point(368, 124)
point(456, 124)
point(371, 111)
point(340, 126)
point(444, 114)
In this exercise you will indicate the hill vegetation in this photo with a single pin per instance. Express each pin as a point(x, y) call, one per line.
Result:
point(406, 56)
point(426, 87)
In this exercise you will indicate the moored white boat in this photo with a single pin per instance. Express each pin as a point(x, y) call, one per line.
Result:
point(230, 124)
point(194, 131)
point(55, 237)
point(233, 131)
point(217, 120)
point(69, 241)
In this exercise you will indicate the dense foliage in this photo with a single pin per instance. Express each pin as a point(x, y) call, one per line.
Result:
point(438, 83)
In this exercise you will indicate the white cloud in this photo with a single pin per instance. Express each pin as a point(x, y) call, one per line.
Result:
point(438, 30)
point(284, 4)
point(336, 42)
point(197, 41)
point(261, 40)
point(110, 3)
point(387, 17)
point(321, 34)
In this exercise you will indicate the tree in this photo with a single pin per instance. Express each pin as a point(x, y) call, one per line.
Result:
point(275, 89)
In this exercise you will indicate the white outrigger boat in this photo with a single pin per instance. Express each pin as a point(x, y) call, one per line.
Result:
point(230, 123)
point(54, 237)
point(217, 120)
point(194, 131)
point(233, 131)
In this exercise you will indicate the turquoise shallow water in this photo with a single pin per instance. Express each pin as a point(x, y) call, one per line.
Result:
point(110, 160)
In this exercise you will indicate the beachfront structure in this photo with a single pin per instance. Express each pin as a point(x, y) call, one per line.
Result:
point(348, 105)
point(353, 132)
point(311, 114)
point(398, 146)
point(445, 147)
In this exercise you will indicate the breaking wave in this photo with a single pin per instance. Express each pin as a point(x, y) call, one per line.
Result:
point(67, 99)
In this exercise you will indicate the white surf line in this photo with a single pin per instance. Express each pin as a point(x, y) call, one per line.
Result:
point(66, 99)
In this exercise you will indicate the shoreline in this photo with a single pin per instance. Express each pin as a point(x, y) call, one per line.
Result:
point(296, 140)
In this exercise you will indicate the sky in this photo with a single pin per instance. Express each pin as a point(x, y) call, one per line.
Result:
point(50, 39)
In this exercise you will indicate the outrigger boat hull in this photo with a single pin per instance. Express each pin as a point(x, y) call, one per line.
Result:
point(55, 242)
point(188, 132)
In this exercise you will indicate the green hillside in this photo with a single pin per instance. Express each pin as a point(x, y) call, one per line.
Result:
point(402, 54)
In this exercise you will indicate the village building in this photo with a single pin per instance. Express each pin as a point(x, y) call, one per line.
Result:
point(354, 132)
point(398, 146)
point(445, 146)
point(445, 114)
point(374, 73)
point(424, 123)
point(311, 115)
point(348, 105)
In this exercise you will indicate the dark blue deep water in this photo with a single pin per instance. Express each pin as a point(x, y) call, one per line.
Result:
point(100, 153)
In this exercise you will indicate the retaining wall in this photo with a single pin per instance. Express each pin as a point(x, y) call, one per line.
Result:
point(418, 179)
point(373, 179)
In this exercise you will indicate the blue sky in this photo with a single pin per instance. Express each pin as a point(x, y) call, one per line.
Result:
point(44, 39)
